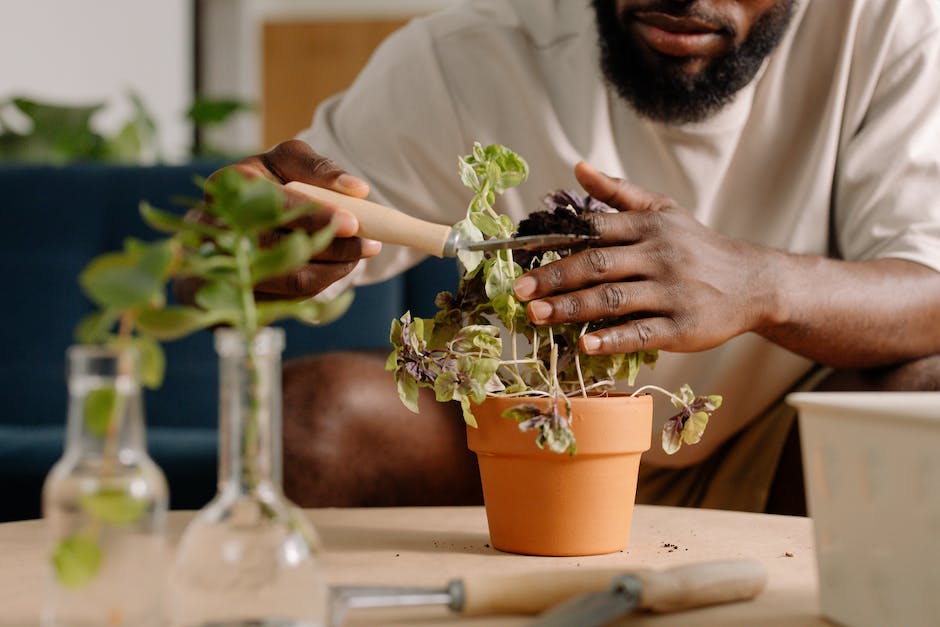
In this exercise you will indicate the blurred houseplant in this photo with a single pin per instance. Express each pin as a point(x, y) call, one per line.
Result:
point(58, 134)
point(71, 188)
point(249, 555)
point(482, 351)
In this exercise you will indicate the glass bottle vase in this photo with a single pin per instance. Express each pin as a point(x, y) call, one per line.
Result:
point(104, 502)
point(249, 556)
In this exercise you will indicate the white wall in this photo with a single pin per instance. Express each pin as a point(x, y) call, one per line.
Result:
point(83, 51)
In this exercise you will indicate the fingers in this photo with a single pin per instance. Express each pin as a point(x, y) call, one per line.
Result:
point(583, 269)
point(340, 249)
point(644, 334)
point(345, 223)
point(306, 281)
point(295, 160)
point(610, 300)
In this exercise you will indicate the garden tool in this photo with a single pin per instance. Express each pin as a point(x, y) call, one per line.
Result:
point(594, 594)
point(672, 590)
point(391, 226)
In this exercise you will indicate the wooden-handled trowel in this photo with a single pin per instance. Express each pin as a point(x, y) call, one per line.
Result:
point(391, 226)
point(673, 590)
point(582, 598)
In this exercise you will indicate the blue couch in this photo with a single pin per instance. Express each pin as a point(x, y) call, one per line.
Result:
point(53, 220)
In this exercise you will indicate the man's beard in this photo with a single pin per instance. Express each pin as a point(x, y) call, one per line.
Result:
point(663, 91)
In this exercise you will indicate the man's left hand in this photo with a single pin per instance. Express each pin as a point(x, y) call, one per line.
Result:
point(685, 286)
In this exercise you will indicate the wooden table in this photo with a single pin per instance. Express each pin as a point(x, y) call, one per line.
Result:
point(430, 546)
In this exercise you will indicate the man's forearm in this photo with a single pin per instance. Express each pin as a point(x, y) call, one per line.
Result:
point(853, 314)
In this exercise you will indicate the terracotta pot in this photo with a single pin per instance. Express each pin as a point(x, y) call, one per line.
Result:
point(542, 503)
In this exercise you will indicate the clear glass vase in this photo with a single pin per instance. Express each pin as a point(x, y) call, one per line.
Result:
point(104, 502)
point(248, 557)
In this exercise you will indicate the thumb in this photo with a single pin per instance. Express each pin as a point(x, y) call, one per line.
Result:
point(617, 193)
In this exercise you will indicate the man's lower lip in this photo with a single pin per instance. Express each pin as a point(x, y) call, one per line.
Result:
point(677, 44)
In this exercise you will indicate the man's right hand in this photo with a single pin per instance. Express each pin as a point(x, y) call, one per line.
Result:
point(294, 160)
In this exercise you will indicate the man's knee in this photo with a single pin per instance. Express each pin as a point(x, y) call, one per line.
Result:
point(348, 440)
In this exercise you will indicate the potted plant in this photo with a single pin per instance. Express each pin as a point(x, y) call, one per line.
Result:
point(572, 492)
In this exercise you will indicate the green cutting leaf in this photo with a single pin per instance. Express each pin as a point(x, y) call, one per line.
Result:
point(177, 321)
point(116, 507)
point(76, 560)
point(99, 406)
point(291, 252)
point(306, 311)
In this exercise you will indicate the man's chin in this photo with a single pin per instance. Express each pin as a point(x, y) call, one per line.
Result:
point(677, 89)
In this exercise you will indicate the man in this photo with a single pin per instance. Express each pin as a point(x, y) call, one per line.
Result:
point(776, 165)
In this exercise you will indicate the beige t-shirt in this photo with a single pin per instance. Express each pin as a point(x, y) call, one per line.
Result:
point(834, 149)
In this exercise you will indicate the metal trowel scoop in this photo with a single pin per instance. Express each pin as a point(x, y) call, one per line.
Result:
point(391, 226)
point(582, 597)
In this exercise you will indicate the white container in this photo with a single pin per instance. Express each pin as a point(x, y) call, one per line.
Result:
point(872, 467)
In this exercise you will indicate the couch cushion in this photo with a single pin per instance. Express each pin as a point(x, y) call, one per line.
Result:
point(187, 456)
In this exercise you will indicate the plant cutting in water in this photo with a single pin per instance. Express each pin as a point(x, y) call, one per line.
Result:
point(123, 285)
point(129, 289)
point(481, 342)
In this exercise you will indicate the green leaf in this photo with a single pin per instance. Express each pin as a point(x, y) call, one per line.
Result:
point(522, 412)
point(152, 366)
point(407, 390)
point(157, 259)
point(177, 321)
point(695, 427)
point(308, 311)
point(487, 224)
point(213, 266)
point(469, 233)
point(467, 175)
point(207, 112)
point(445, 387)
point(167, 222)
point(115, 281)
point(113, 506)
point(96, 326)
point(499, 276)
point(60, 134)
point(246, 205)
point(290, 253)
point(467, 410)
point(671, 440)
point(391, 362)
point(394, 332)
point(99, 406)
point(76, 560)
point(220, 295)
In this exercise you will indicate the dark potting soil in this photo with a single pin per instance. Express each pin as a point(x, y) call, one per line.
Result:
point(559, 220)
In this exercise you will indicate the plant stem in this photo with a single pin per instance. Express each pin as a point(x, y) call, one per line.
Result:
point(125, 325)
point(577, 362)
point(658, 389)
point(553, 363)
point(249, 332)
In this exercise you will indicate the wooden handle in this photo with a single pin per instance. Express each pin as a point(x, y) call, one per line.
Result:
point(380, 222)
point(679, 588)
point(697, 585)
